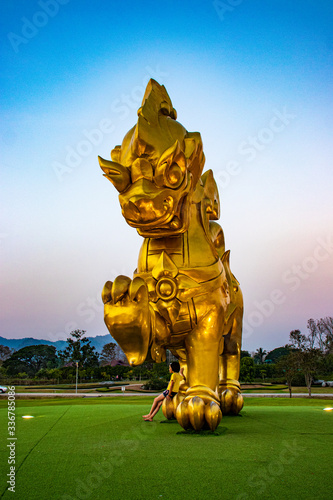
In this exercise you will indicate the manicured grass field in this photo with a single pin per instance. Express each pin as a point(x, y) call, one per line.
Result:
point(101, 449)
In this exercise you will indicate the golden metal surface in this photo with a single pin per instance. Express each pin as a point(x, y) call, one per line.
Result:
point(183, 296)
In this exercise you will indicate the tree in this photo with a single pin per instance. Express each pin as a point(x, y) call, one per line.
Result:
point(52, 373)
point(158, 376)
point(297, 340)
point(31, 359)
point(311, 360)
point(288, 365)
point(108, 353)
point(5, 353)
point(321, 334)
point(259, 356)
point(325, 325)
point(247, 369)
point(79, 350)
point(275, 354)
point(263, 373)
point(307, 357)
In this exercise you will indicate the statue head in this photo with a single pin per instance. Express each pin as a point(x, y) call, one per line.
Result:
point(157, 168)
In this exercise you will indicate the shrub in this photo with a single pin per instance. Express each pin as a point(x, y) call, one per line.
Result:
point(156, 383)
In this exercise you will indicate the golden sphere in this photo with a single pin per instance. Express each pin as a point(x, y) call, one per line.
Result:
point(166, 289)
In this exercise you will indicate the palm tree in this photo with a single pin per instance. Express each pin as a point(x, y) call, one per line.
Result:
point(260, 355)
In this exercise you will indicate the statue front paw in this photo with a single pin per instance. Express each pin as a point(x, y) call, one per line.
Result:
point(199, 411)
point(127, 316)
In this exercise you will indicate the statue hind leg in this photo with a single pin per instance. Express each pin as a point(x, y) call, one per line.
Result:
point(229, 386)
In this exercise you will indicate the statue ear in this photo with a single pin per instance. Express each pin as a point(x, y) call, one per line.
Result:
point(211, 195)
point(115, 154)
point(116, 173)
point(194, 154)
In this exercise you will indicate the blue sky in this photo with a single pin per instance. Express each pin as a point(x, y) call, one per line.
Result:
point(255, 78)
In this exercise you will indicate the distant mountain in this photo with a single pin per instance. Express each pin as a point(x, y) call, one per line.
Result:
point(16, 344)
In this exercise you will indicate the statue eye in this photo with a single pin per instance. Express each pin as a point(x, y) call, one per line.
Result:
point(175, 175)
point(169, 175)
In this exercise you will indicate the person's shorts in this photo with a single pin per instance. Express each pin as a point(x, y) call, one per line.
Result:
point(166, 393)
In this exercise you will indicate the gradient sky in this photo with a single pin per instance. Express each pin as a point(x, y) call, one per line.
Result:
point(254, 78)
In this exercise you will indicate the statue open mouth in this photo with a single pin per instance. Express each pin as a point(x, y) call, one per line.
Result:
point(144, 214)
point(137, 218)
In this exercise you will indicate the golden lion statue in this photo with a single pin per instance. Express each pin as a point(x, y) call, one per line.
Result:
point(183, 296)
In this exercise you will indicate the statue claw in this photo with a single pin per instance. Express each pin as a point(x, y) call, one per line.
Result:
point(119, 288)
point(231, 401)
point(197, 414)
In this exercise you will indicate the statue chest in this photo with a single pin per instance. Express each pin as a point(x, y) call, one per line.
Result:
point(188, 250)
point(176, 248)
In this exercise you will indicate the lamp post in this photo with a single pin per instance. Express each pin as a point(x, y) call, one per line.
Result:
point(77, 373)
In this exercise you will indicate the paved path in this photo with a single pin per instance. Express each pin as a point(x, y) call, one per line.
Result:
point(82, 394)
point(121, 395)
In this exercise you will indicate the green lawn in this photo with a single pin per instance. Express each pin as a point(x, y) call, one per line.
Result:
point(96, 387)
point(100, 449)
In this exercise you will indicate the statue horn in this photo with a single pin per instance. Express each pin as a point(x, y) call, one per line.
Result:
point(116, 173)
